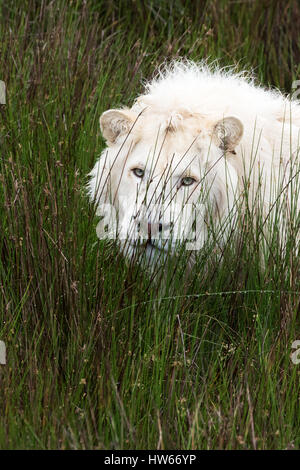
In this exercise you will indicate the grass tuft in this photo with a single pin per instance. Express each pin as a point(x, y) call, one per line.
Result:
point(96, 357)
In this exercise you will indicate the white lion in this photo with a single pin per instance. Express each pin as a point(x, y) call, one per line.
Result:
point(193, 151)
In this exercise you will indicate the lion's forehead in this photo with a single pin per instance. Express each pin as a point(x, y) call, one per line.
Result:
point(178, 154)
point(172, 124)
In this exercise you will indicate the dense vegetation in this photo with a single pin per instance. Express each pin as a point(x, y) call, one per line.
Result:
point(96, 358)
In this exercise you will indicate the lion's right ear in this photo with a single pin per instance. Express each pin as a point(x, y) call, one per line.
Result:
point(116, 122)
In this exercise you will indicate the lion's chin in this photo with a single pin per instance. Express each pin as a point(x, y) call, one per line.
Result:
point(153, 255)
point(150, 251)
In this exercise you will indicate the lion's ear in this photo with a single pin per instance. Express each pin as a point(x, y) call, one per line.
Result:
point(116, 122)
point(228, 132)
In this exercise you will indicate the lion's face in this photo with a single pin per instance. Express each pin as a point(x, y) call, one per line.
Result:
point(163, 181)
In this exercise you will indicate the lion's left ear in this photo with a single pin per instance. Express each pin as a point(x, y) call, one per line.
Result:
point(228, 132)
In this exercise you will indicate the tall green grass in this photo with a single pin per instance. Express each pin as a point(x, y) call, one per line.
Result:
point(96, 358)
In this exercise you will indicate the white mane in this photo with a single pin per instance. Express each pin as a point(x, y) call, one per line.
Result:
point(211, 90)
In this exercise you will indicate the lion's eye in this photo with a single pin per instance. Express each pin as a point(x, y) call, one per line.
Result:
point(138, 172)
point(187, 181)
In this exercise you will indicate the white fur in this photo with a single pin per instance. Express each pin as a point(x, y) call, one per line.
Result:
point(180, 114)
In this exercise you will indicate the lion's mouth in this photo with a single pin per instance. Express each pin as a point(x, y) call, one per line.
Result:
point(150, 245)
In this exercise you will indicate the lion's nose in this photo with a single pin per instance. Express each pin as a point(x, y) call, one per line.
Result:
point(148, 229)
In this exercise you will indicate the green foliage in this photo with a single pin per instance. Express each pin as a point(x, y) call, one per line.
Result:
point(97, 355)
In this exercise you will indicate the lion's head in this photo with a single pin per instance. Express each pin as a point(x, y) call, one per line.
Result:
point(165, 177)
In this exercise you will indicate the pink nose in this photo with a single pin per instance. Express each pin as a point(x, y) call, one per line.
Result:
point(149, 230)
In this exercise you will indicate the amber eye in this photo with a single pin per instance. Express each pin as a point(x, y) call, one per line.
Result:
point(187, 181)
point(138, 172)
